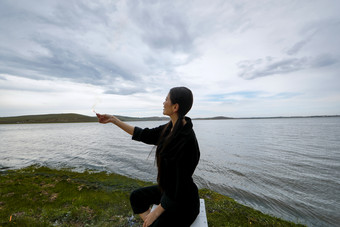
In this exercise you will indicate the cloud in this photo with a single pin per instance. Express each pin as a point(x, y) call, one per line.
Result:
point(323, 31)
point(95, 42)
point(297, 47)
point(121, 87)
point(308, 44)
point(162, 27)
point(270, 66)
point(17, 83)
point(66, 40)
point(323, 61)
point(137, 50)
point(241, 96)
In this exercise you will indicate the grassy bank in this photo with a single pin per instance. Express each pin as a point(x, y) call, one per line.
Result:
point(40, 196)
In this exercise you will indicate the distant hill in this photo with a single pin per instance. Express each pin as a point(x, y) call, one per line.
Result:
point(66, 118)
point(215, 118)
point(47, 118)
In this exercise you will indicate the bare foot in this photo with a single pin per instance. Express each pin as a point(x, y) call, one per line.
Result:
point(143, 215)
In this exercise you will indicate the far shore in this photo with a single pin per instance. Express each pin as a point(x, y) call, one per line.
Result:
point(78, 118)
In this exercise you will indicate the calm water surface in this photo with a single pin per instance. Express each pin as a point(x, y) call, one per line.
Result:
point(289, 168)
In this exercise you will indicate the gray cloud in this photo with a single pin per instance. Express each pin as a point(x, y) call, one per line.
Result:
point(49, 41)
point(269, 66)
point(175, 26)
point(124, 91)
point(63, 63)
point(125, 47)
point(101, 42)
point(307, 37)
point(319, 34)
point(323, 61)
point(90, 42)
point(297, 47)
point(94, 42)
point(162, 26)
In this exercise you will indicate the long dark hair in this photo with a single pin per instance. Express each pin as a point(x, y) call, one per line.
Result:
point(184, 98)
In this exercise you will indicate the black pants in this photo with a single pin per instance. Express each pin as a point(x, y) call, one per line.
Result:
point(142, 198)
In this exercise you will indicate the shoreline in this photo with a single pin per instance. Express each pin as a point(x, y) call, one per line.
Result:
point(59, 197)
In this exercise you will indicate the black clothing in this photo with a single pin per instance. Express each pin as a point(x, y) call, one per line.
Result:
point(182, 217)
point(178, 194)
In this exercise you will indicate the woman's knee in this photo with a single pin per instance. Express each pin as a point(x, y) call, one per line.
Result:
point(134, 196)
point(142, 198)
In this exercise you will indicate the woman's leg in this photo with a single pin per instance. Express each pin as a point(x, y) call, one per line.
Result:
point(143, 215)
point(168, 219)
point(142, 198)
point(184, 216)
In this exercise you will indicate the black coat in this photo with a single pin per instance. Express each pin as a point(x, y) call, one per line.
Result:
point(178, 162)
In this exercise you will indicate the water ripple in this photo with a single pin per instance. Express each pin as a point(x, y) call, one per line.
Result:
point(289, 168)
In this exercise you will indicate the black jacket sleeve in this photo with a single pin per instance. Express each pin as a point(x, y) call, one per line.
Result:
point(148, 136)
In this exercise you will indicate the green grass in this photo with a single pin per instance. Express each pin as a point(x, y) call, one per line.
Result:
point(40, 196)
point(224, 211)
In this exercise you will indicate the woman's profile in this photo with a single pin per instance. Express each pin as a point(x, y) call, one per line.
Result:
point(177, 155)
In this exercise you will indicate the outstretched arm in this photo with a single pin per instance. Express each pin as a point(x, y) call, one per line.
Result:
point(106, 118)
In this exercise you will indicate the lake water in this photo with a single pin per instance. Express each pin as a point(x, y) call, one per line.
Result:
point(289, 168)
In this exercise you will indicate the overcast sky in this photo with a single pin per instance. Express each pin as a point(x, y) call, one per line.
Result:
point(240, 58)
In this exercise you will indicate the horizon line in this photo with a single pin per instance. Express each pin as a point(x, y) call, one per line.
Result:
point(197, 118)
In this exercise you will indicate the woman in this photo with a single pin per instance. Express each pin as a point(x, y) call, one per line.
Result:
point(177, 156)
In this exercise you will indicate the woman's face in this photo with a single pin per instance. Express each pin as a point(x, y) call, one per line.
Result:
point(167, 106)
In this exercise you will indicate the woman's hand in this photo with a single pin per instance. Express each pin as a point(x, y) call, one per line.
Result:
point(105, 118)
point(151, 217)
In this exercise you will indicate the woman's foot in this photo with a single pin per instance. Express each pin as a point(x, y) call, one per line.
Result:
point(143, 215)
